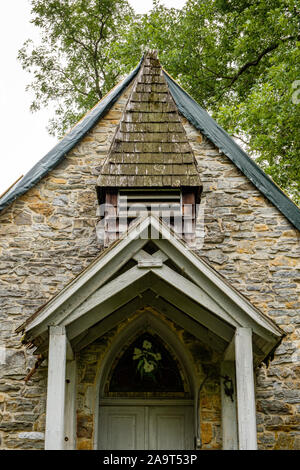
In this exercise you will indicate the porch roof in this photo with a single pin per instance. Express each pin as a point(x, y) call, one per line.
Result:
point(170, 278)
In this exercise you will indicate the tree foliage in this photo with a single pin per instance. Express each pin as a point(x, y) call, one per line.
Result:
point(238, 58)
point(77, 60)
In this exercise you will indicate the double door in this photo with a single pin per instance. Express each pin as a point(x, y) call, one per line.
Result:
point(146, 427)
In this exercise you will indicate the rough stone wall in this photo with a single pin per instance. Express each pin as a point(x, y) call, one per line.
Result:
point(47, 237)
point(205, 364)
point(255, 247)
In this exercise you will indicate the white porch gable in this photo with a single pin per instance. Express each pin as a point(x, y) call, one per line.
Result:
point(179, 284)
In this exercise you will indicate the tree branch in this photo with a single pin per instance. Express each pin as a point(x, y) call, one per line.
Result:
point(216, 74)
point(239, 138)
point(64, 74)
point(256, 61)
point(95, 59)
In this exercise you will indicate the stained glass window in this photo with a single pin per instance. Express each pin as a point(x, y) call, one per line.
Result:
point(146, 366)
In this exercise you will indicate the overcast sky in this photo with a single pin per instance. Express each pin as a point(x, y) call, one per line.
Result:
point(24, 139)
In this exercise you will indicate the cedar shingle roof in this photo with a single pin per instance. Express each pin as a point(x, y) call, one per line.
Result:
point(150, 147)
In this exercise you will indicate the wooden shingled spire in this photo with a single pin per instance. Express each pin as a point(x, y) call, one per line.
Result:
point(150, 147)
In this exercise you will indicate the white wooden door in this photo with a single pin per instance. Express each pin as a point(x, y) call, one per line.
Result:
point(146, 428)
point(122, 428)
point(171, 428)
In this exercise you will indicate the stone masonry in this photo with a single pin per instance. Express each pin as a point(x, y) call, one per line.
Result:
point(47, 237)
point(255, 247)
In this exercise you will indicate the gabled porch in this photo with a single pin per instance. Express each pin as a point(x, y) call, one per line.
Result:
point(148, 271)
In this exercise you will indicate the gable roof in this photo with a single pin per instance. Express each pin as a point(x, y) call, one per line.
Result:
point(195, 114)
point(150, 146)
point(110, 282)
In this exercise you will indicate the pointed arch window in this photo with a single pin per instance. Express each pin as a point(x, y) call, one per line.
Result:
point(146, 366)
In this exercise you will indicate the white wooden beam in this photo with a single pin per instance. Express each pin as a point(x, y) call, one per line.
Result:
point(107, 291)
point(229, 353)
point(206, 277)
point(70, 353)
point(102, 310)
point(86, 283)
point(245, 389)
point(144, 259)
point(142, 255)
point(229, 416)
point(149, 298)
point(55, 410)
point(150, 263)
point(160, 255)
point(195, 292)
point(70, 407)
point(194, 310)
point(108, 323)
point(183, 320)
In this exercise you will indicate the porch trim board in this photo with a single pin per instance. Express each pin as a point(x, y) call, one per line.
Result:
point(70, 406)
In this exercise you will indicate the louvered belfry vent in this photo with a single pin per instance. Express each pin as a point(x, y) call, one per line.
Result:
point(150, 149)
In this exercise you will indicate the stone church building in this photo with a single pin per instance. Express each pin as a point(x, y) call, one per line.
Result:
point(149, 286)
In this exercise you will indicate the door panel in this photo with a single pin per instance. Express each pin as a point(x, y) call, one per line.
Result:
point(171, 428)
point(122, 428)
point(146, 427)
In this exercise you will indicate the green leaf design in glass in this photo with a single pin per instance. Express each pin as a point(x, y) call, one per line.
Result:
point(148, 361)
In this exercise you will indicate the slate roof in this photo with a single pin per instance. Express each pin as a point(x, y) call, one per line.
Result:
point(150, 147)
point(193, 112)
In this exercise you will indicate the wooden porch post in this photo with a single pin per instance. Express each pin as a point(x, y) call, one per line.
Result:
point(245, 389)
point(54, 438)
point(70, 401)
point(229, 417)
